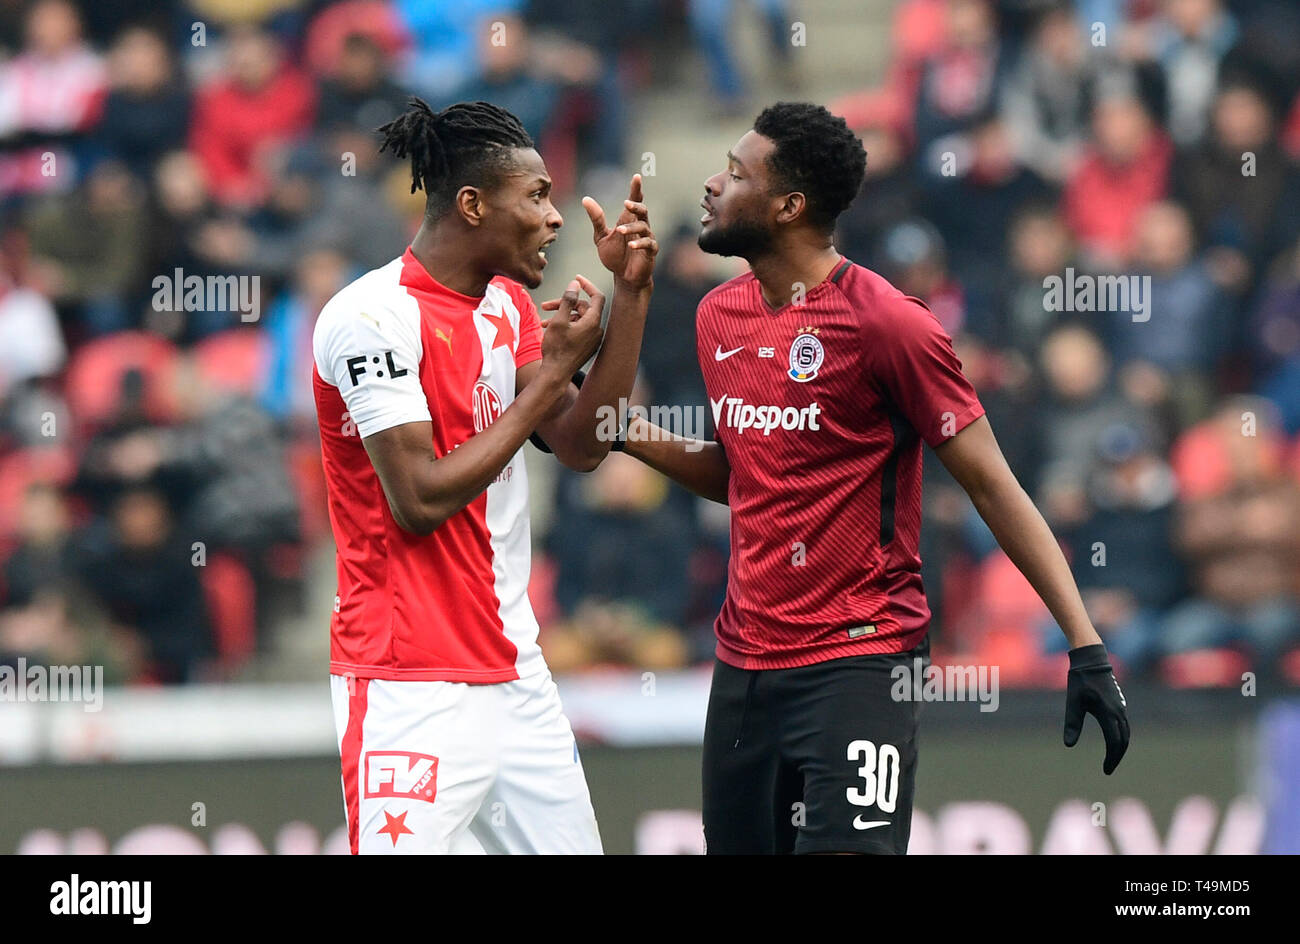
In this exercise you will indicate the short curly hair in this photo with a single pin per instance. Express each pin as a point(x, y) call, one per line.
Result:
point(815, 154)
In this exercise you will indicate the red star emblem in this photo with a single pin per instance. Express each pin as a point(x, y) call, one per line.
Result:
point(395, 826)
point(505, 333)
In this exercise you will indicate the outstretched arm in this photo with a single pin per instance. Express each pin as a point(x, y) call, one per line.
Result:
point(697, 465)
point(976, 462)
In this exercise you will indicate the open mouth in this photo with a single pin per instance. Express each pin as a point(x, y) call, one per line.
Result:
point(708, 213)
point(541, 253)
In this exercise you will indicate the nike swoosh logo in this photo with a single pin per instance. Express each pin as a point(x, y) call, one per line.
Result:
point(722, 355)
point(859, 824)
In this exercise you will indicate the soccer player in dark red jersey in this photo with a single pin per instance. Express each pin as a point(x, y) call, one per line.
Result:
point(824, 381)
point(430, 372)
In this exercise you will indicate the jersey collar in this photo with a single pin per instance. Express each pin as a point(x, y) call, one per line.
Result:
point(836, 273)
point(415, 275)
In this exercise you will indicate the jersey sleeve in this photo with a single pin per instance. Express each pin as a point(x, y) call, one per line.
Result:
point(373, 358)
point(920, 373)
point(529, 348)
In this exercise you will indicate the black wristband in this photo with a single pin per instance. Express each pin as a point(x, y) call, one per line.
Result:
point(537, 440)
point(1089, 657)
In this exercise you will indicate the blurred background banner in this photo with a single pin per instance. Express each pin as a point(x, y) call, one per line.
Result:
point(199, 770)
point(1098, 199)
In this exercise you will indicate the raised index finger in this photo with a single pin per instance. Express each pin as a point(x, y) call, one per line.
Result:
point(634, 192)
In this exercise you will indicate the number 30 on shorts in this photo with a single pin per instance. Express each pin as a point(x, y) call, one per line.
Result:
point(879, 772)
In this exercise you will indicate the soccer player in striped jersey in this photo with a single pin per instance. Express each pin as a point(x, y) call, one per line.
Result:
point(430, 372)
point(825, 380)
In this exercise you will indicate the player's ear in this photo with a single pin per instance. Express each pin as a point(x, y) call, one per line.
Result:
point(792, 207)
point(470, 205)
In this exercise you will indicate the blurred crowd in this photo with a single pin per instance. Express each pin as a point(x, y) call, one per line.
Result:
point(160, 484)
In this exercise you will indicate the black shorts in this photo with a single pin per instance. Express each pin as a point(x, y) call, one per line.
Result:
point(819, 758)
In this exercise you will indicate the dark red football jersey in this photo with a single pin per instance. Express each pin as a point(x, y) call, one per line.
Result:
point(821, 407)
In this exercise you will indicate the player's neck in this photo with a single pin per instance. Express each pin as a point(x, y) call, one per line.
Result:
point(446, 264)
point(793, 270)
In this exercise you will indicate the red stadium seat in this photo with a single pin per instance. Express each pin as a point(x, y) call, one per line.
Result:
point(304, 463)
point(230, 594)
point(53, 464)
point(1015, 652)
point(1204, 668)
point(323, 46)
point(1290, 665)
point(541, 589)
point(93, 383)
point(233, 361)
point(1000, 626)
point(1203, 463)
point(959, 591)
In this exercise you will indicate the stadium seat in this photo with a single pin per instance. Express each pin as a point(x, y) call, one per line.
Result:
point(93, 383)
point(53, 464)
point(1006, 616)
point(304, 464)
point(230, 594)
point(1203, 465)
point(1015, 652)
point(541, 589)
point(1290, 666)
point(1204, 668)
point(234, 361)
point(323, 46)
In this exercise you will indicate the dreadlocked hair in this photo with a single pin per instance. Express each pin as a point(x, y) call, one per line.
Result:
point(464, 144)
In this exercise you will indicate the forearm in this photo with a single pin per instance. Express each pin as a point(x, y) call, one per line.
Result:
point(578, 444)
point(697, 465)
point(1029, 543)
point(444, 486)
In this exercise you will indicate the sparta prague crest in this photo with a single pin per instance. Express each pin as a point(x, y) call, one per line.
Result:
point(806, 354)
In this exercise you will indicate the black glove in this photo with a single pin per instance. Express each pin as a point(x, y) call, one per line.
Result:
point(617, 446)
point(1091, 687)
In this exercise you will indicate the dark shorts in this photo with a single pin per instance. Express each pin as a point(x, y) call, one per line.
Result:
point(820, 758)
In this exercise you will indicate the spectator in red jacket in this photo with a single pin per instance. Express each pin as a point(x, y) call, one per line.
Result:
point(1125, 169)
point(260, 103)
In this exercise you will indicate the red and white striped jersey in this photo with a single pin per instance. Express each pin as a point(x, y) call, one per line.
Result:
point(395, 347)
